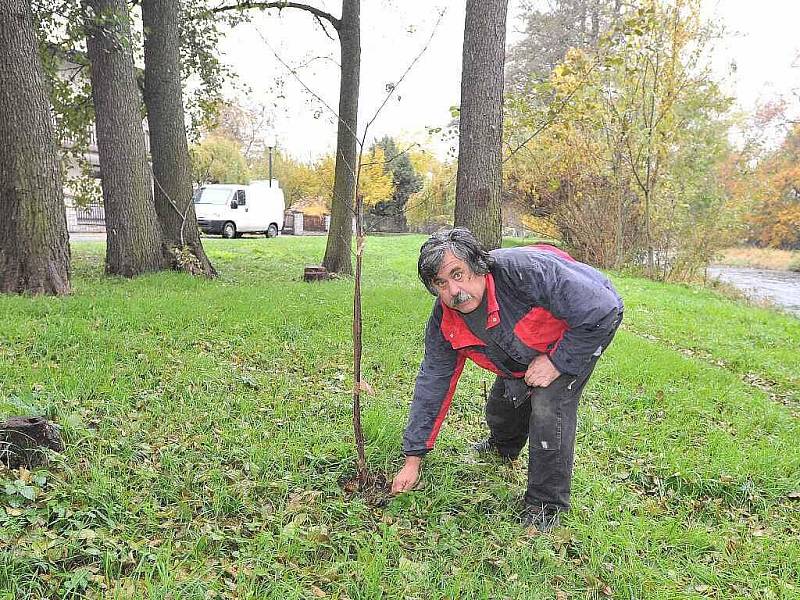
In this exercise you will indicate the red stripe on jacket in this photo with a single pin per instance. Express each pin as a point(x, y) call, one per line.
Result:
point(447, 401)
point(553, 249)
point(539, 329)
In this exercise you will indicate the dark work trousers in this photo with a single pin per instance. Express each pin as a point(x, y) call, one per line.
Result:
point(548, 422)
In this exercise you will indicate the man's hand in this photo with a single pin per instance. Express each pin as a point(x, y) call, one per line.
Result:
point(541, 372)
point(408, 476)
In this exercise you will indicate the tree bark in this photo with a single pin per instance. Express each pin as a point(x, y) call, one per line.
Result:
point(479, 177)
point(34, 244)
point(169, 149)
point(337, 252)
point(134, 240)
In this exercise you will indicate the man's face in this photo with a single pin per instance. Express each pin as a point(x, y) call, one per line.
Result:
point(457, 285)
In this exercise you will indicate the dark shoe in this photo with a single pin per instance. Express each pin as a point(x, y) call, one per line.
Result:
point(487, 448)
point(543, 517)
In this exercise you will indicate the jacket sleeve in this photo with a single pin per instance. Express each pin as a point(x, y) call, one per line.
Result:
point(581, 296)
point(434, 389)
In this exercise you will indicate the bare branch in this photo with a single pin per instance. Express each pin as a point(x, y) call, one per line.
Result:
point(393, 87)
point(242, 5)
point(294, 74)
point(553, 115)
point(315, 58)
point(390, 160)
point(324, 29)
point(183, 215)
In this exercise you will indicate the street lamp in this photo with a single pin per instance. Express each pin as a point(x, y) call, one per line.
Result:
point(271, 143)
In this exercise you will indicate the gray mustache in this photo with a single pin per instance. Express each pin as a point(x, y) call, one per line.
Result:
point(461, 297)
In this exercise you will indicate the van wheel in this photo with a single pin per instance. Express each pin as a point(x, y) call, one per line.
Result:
point(229, 230)
point(272, 230)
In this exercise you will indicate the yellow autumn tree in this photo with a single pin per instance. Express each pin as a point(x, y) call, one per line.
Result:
point(374, 182)
point(218, 159)
point(775, 217)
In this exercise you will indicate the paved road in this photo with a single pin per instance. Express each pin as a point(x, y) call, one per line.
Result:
point(87, 237)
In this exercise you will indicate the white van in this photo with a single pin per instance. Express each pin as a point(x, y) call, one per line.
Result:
point(233, 209)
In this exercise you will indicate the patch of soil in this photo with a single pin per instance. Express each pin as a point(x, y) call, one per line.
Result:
point(375, 489)
point(24, 439)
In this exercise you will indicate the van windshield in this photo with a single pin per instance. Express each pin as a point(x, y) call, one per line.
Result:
point(212, 196)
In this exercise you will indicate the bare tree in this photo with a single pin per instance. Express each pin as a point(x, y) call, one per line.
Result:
point(135, 243)
point(338, 248)
point(34, 244)
point(168, 146)
point(340, 237)
point(479, 178)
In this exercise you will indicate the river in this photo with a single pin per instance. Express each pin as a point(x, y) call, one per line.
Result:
point(782, 288)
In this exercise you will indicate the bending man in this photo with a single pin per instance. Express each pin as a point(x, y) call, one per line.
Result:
point(536, 318)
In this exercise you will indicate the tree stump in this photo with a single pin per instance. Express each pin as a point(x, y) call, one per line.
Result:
point(316, 273)
point(22, 440)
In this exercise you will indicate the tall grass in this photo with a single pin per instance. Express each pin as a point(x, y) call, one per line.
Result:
point(763, 258)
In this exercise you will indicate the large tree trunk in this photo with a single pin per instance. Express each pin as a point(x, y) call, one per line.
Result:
point(34, 244)
point(168, 147)
point(479, 178)
point(337, 252)
point(134, 237)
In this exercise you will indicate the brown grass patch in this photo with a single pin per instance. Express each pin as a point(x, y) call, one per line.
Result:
point(763, 258)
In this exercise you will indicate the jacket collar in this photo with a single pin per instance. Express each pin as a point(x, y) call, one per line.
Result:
point(455, 329)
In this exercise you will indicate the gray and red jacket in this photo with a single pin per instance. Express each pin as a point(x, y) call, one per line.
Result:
point(539, 300)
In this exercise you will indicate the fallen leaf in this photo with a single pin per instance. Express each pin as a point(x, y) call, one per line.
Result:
point(366, 387)
point(319, 593)
point(87, 534)
point(795, 495)
point(319, 534)
point(24, 475)
point(702, 588)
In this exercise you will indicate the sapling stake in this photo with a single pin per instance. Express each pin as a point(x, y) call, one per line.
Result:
point(356, 206)
point(361, 464)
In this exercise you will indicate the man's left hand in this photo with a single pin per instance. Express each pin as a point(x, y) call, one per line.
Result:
point(541, 372)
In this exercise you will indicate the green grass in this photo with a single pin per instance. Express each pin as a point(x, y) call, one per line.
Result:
point(208, 427)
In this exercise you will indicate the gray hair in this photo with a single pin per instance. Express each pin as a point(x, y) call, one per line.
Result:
point(462, 244)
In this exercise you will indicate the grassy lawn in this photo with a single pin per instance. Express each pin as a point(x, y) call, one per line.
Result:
point(208, 427)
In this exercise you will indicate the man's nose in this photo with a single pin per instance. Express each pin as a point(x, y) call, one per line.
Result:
point(452, 288)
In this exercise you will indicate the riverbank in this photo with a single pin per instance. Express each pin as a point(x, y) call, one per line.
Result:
point(772, 287)
point(760, 258)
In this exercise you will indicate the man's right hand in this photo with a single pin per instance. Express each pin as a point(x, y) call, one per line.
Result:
point(408, 476)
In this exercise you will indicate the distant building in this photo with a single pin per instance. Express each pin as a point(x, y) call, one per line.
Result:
point(85, 213)
point(307, 216)
point(84, 217)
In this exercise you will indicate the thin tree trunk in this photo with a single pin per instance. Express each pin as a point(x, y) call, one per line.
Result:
point(134, 239)
point(338, 250)
point(34, 244)
point(479, 178)
point(647, 236)
point(361, 460)
point(172, 188)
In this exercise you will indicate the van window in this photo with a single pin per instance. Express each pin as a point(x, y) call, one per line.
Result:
point(240, 198)
point(212, 196)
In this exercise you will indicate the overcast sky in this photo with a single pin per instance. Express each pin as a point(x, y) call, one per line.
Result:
point(761, 43)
